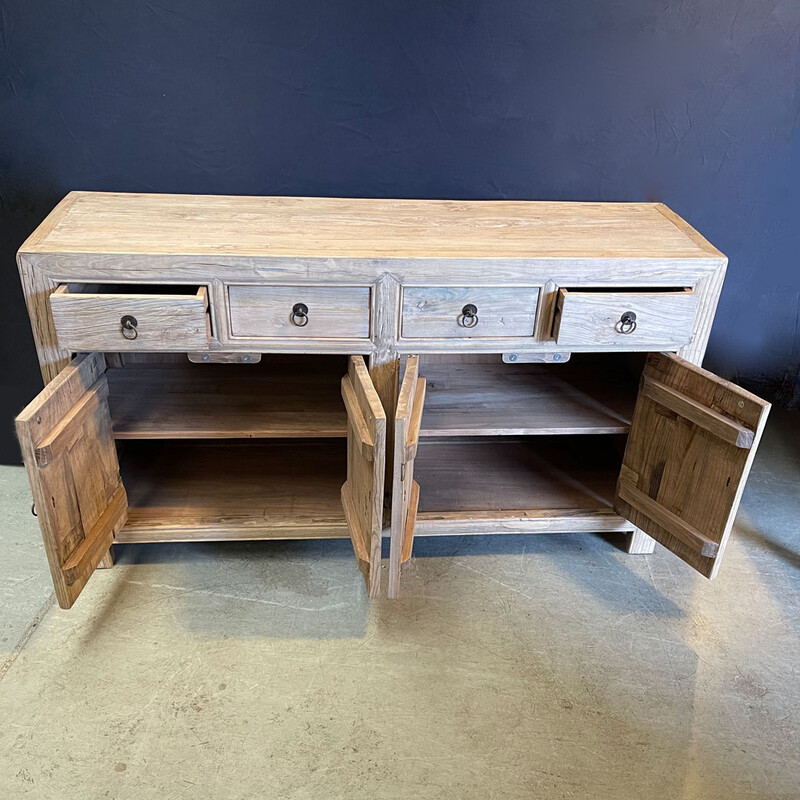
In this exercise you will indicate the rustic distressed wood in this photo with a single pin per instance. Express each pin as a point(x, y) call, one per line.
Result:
point(136, 359)
point(362, 492)
point(664, 320)
point(663, 517)
point(91, 320)
point(69, 453)
point(218, 491)
point(682, 477)
point(520, 399)
point(436, 311)
point(638, 543)
point(224, 358)
point(363, 262)
point(359, 423)
point(405, 491)
point(512, 485)
point(334, 312)
point(522, 521)
point(69, 429)
point(721, 426)
point(216, 241)
point(384, 365)
point(37, 288)
point(512, 344)
point(555, 357)
point(411, 521)
point(682, 225)
point(267, 400)
point(362, 228)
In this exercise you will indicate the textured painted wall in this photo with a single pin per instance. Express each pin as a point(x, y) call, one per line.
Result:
point(693, 103)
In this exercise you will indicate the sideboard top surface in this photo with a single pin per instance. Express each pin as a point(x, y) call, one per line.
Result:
point(316, 227)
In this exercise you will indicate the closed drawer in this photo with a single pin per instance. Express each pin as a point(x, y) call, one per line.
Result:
point(625, 320)
point(125, 317)
point(318, 312)
point(468, 312)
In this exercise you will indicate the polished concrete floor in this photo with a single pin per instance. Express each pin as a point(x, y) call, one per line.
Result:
point(514, 667)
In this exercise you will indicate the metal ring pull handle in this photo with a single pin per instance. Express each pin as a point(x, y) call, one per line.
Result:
point(468, 318)
point(627, 323)
point(299, 315)
point(127, 327)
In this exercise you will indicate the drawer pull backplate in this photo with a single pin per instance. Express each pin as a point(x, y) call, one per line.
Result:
point(469, 316)
point(127, 327)
point(627, 323)
point(299, 315)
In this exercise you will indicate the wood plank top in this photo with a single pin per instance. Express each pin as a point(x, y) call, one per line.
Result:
point(317, 227)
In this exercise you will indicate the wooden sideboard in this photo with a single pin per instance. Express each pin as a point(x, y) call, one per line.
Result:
point(224, 368)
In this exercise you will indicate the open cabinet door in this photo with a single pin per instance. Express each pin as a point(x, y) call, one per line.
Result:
point(692, 441)
point(405, 490)
point(69, 452)
point(362, 493)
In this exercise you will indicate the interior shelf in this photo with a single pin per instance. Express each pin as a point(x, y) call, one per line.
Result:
point(290, 489)
point(207, 491)
point(276, 398)
point(465, 399)
point(529, 485)
point(280, 398)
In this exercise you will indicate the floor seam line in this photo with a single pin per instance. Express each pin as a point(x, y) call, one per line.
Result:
point(26, 637)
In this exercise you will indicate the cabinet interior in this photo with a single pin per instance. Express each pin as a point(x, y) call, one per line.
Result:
point(475, 478)
point(277, 475)
point(497, 439)
point(169, 397)
point(206, 490)
point(593, 394)
point(527, 447)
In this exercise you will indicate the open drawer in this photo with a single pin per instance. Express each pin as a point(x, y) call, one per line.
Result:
point(258, 491)
point(692, 440)
point(130, 317)
point(625, 319)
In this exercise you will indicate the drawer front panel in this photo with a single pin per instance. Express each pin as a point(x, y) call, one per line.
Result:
point(468, 312)
point(122, 322)
point(625, 320)
point(315, 312)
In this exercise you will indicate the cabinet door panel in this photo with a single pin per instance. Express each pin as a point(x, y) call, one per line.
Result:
point(362, 493)
point(405, 490)
point(691, 445)
point(69, 452)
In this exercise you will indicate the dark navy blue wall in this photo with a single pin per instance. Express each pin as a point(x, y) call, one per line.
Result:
point(691, 102)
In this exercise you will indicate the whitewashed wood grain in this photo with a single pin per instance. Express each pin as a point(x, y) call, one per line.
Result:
point(92, 321)
point(664, 320)
point(377, 246)
point(334, 312)
point(365, 228)
point(436, 311)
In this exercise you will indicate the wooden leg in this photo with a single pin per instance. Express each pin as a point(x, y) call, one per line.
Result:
point(639, 543)
point(108, 560)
